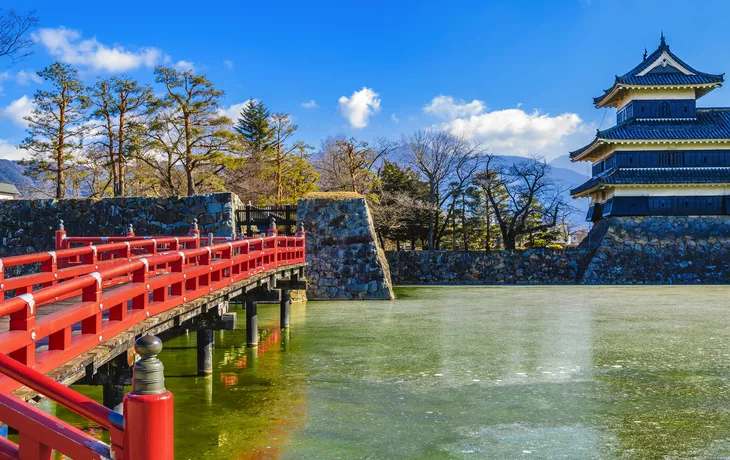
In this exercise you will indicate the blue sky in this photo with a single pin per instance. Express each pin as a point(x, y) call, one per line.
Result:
point(517, 76)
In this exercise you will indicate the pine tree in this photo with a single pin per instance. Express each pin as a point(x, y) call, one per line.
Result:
point(255, 128)
point(56, 127)
point(191, 107)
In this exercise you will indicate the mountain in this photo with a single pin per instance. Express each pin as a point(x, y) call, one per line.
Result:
point(564, 162)
point(11, 172)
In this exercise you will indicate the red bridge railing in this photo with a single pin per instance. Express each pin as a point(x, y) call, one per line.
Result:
point(121, 282)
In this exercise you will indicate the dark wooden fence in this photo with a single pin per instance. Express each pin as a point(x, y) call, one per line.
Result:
point(253, 220)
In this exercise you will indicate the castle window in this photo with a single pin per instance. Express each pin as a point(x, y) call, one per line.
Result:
point(664, 109)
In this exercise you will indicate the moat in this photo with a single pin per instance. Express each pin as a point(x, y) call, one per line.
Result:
point(466, 372)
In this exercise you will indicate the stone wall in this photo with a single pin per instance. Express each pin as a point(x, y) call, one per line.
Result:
point(28, 226)
point(532, 266)
point(343, 256)
point(662, 250)
point(619, 250)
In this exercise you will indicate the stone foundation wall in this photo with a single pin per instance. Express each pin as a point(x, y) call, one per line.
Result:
point(28, 226)
point(343, 256)
point(533, 266)
point(662, 250)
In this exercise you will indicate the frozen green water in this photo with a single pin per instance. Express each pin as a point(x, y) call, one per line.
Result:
point(467, 372)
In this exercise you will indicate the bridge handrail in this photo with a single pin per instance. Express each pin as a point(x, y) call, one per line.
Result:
point(172, 277)
point(191, 273)
point(64, 264)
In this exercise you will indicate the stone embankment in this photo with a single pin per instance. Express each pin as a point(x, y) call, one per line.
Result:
point(619, 250)
point(534, 266)
point(343, 256)
point(28, 226)
point(662, 250)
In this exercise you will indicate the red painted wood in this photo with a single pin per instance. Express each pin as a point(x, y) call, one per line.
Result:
point(107, 277)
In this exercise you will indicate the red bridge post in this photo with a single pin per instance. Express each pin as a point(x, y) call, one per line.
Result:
point(148, 408)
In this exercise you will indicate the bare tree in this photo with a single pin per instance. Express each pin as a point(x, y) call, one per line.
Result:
point(14, 42)
point(349, 164)
point(524, 198)
point(447, 163)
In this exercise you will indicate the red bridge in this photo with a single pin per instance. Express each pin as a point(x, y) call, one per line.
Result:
point(81, 307)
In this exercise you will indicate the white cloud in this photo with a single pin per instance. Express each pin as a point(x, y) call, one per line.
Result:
point(228, 63)
point(311, 104)
point(510, 131)
point(234, 111)
point(68, 46)
point(394, 118)
point(9, 151)
point(184, 65)
point(445, 107)
point(358, 108)
point(18, 109)
point(25, 77)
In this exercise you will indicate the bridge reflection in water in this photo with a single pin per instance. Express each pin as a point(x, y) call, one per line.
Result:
point(246, 409)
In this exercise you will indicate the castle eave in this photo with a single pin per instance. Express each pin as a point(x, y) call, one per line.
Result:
point(611, 98)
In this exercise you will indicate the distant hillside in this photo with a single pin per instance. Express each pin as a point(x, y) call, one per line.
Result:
point(12, 173)
point(564, 162)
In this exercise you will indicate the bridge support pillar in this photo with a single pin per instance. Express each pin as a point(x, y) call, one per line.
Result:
point(206, 344)
point(113, 396)
point(252, 327)
point(285, 309)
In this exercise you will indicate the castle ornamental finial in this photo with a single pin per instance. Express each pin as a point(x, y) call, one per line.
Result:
point(663, 41)
point(645, 54)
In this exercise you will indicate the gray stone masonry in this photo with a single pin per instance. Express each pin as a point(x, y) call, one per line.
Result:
point(343, 256)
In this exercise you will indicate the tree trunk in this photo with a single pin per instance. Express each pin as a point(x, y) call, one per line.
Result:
point(487, 246)
point(432, 199)
point(121, 181)
point(189, 157)
point(60, 176)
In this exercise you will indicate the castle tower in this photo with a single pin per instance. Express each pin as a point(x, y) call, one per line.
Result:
point(665, 156)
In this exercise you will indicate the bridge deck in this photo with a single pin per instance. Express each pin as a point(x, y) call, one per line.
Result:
point(90, 361)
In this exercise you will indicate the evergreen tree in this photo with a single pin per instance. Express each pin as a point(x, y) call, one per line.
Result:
point(191, 108)
point(56, 127)
point(255, 128)
point(119, 103)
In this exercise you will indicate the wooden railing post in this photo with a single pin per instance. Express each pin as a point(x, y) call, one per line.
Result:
point(148, 408)
point(141, 275)
point(24, 320)
point(92, 293)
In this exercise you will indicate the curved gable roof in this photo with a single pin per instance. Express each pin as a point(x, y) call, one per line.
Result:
point(651, 72)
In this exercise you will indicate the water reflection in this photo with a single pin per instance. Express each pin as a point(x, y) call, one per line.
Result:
point(536, 372)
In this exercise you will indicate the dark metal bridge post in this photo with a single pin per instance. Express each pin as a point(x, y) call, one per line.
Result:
point(287, 220)
point(206, 344)
point(249, 232)
point(252, 327)
point(113, 396)
point(285, 308)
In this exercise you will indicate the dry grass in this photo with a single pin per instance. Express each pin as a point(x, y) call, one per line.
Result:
point(332, 196)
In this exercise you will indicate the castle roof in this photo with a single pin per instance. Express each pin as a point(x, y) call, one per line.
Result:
point(655, 176)
point(710, 124)
point(662, 69)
